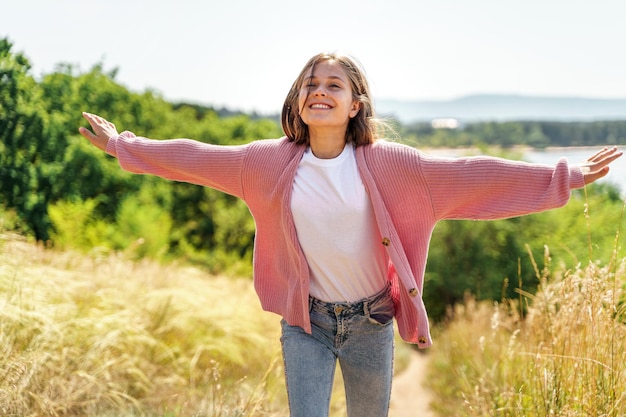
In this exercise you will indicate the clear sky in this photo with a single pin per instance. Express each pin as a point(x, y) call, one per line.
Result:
point(245, 54)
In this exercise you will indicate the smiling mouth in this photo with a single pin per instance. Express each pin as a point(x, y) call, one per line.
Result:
point(320, 106)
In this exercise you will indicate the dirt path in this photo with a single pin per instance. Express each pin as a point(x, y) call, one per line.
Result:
point(408, 396)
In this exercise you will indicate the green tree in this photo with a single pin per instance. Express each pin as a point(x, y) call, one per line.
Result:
point(26, 147)
point(491, 259)
point(474, 256)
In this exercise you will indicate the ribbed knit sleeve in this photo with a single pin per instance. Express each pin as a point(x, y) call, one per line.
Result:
point(185, 160)
point(484, 188)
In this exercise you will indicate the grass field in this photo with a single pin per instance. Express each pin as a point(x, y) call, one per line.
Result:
point(89, 336)
point(565, 355)
point(104, 336)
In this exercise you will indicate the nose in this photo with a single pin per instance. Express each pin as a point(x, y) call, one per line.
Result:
point(319, 91)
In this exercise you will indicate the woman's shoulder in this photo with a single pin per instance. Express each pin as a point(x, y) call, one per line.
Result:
point(385, 148)
point(271, 141)
point(278, 144)
point(274, 150)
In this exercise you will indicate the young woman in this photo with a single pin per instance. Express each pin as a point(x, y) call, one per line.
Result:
point(344, 222)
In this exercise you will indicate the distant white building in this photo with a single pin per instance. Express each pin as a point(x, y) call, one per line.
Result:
point(448, 123)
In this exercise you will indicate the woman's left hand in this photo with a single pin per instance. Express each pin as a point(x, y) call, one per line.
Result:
point(597, 166)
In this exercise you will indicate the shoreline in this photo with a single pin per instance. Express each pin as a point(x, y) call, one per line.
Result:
point(523, 149)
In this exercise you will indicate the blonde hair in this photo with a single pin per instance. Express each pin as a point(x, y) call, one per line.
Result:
point(363, 129)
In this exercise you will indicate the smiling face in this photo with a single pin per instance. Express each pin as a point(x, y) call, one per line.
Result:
point(300, 120)
point(326, 99)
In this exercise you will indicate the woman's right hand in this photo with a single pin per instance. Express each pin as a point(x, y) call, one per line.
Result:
point(103, 130)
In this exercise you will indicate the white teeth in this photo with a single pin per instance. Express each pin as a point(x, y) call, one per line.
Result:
point(320, 106)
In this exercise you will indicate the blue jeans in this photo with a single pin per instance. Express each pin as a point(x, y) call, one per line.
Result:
point(361, 337)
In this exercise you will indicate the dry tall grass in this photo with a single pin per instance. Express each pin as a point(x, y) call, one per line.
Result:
point(566, 357)
point(103, 336)
point(89, 336)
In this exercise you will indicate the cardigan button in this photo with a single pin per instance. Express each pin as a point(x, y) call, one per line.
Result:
point(413, 292)
point(422, 339)
point(386, 241)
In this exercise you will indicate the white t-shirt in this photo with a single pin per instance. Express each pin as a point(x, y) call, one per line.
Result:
point(336, 228)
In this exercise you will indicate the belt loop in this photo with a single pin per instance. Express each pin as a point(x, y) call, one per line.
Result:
point(310, 303)
point(366, 308)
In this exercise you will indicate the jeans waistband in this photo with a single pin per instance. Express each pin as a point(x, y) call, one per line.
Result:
point(357, 307)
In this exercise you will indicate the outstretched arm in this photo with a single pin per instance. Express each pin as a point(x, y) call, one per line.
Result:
point(103, 130)
point(597, 166)
point(492, 188)
point(216, 166)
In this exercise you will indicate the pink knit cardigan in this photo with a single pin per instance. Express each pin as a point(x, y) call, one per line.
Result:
point(410, 192)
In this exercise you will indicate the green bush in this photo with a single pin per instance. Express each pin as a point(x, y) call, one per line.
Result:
point(143, 229)
point(74, 225)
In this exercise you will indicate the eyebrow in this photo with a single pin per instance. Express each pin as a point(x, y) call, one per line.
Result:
point(334, 77)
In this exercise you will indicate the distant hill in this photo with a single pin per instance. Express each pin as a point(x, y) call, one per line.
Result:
point(505, 108)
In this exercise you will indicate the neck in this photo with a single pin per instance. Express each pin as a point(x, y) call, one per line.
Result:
point(326, 145)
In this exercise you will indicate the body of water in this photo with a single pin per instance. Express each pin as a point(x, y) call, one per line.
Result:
point(616, 175)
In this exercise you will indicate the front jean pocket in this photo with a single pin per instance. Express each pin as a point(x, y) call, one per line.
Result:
point(381, 312)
